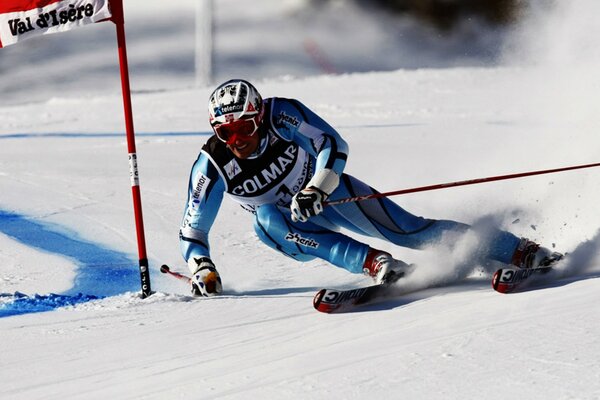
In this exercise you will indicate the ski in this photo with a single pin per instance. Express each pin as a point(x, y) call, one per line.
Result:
point(508, 280)
point(335, 300)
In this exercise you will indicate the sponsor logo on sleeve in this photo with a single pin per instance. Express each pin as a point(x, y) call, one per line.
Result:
point(200, 190)
point(283, 118)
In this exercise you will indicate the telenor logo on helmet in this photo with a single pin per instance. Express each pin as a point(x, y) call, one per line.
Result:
point(228, 109)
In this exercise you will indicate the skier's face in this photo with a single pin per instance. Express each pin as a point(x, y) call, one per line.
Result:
point(243, 146)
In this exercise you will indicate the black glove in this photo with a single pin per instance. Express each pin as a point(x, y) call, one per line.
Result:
point(307, 203)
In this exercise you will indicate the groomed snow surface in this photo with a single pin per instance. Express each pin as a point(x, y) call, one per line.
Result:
point(67, 227)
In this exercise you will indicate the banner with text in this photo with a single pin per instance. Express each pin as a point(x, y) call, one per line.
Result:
point(23, 19)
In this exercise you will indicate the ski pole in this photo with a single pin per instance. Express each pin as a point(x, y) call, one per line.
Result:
point(166, 270)
point(454, 184)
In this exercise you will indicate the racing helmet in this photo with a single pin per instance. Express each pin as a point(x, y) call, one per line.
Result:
point(235, 108)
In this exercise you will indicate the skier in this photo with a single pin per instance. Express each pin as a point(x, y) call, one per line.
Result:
point(281, 161)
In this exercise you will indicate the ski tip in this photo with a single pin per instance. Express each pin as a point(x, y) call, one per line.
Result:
point(507, 280)
point(164, 268)
point(317, 299)
point(497, 283)
point(321, 304)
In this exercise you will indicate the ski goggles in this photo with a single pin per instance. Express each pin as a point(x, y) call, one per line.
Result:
point(241, 128)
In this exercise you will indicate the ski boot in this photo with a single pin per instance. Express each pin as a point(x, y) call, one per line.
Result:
point(383, 268)
point(531, 255)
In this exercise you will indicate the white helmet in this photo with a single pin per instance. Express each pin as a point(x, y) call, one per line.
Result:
point(235, 107)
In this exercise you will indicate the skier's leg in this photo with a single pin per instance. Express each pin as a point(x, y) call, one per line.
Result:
point(384, 219)
point(305, 241)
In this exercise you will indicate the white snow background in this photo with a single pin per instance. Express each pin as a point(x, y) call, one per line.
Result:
point(68, 227)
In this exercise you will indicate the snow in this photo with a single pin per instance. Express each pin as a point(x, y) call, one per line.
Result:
point(67, 227)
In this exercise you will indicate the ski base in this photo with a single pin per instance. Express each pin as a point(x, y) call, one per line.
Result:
point(335, 301)
point(508, 280)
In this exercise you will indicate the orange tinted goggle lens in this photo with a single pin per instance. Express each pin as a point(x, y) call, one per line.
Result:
point(243, 127)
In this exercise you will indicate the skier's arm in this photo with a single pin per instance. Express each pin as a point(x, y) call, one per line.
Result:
point(205, 194)
point(294, 121)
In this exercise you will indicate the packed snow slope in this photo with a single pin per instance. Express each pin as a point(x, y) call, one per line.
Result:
point(63, 169)
point(72, 323)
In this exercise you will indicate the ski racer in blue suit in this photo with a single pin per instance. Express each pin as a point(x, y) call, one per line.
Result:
point(281, 161)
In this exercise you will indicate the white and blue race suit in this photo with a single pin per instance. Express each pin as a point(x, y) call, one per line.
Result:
point(295, 144)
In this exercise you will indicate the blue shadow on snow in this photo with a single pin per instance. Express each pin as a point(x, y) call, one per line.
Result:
point(100, 271)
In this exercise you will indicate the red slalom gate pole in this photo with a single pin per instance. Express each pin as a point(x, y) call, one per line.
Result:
point(455, 184)
point(118, 19)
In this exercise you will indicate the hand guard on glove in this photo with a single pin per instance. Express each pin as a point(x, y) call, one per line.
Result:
point(206, 281)
point(307, 203)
